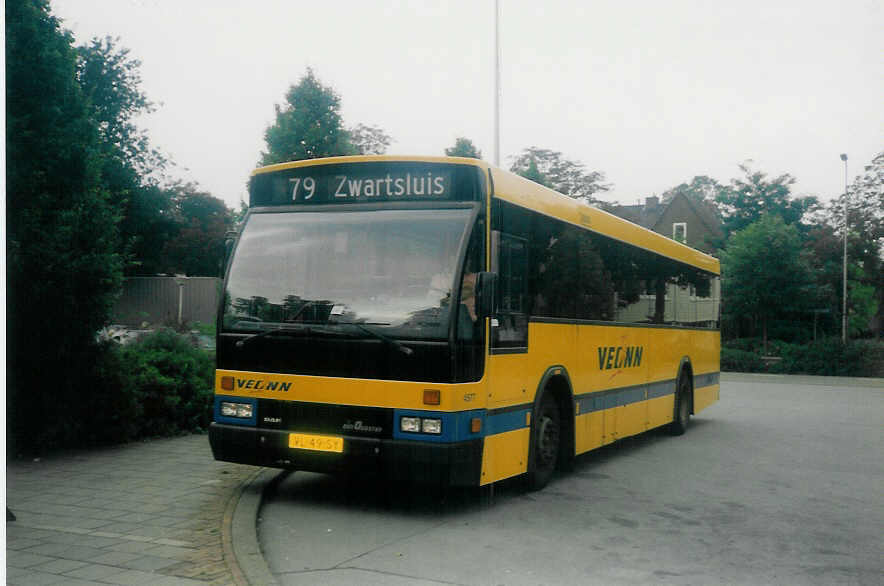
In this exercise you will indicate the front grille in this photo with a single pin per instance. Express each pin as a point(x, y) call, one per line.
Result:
point(371, 422)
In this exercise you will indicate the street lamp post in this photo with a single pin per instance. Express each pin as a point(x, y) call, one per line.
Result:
point(496, 83)
point(844, 290)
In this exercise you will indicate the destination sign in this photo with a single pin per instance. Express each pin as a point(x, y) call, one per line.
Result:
point(352, 183)
point(355, 186)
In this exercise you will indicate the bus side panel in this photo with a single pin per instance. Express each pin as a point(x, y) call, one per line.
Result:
point(505, 455)
point(614, 359)
point(590, 431)
point(707, 349)
point(667, 348)
point(514, 378)
point(705, 397)
point(660, 410)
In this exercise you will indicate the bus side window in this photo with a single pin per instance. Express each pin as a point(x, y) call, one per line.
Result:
point(511, 329)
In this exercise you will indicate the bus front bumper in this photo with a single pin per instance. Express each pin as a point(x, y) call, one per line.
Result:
point(455, 464)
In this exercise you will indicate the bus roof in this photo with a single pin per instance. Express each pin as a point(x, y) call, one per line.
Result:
point(369, 159)
point(530, 195)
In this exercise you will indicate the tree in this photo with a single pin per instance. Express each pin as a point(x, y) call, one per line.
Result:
point(751, 197)
point(308, 125)
point(62, 262)
point(197, 249)
point(111, 82)
point(701, 189)
point(826, 259)
point(865, 221)
point(463, 147)
point(130, 167)
point(764, 274)
point(369, 140)
point(560, 174)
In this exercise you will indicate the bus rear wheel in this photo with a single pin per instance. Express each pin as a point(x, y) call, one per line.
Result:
point(546, 439)
point(682, 417)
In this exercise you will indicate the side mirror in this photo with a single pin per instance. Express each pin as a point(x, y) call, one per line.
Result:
point(229, 241)
point(486, 285)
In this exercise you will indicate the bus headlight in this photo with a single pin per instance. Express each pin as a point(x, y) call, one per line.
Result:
point(431, 426)
point(242, 410)
point(412, 424)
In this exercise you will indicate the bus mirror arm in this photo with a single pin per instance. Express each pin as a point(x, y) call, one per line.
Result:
point(229, 240)
point(486, 283)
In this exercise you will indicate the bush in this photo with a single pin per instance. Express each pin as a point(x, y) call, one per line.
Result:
point(158, 386)
point(736, 360)
point(825, 357)
point(745, 344)
point(171, 382)
point(831, 357)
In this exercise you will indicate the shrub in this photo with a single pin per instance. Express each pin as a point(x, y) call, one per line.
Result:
point(158, 386)
point(745, 344)
point(825, 357)
point(735, 360)
point(172, 381)
point(831, 357)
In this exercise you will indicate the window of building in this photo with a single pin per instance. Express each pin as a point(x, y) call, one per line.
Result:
point(680, 231)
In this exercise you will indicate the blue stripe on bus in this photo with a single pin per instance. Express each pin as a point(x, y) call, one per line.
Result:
point(601, 400)
point(705, 380)
point(506, 421)
point(252, 421)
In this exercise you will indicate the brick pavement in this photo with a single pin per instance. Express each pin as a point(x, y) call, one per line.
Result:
point(142, 513)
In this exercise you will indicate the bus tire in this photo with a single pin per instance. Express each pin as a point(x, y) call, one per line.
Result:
point(546, 439)
point(682, 415)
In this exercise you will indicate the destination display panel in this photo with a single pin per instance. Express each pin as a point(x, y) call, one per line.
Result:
point(366, 183)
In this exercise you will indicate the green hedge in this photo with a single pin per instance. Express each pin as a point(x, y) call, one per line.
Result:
point(826, 357)
point(158, 386)
point(737, 360)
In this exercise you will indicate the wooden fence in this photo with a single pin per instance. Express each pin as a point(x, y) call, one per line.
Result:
point(167, 300)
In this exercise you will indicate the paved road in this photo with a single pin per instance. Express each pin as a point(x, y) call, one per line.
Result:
point(781, 482)
point(142, 513)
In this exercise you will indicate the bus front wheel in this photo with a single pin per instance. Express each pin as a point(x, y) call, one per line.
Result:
point(546, 437)
point(682, 406)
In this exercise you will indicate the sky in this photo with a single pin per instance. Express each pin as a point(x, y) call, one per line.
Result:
point(651, 93)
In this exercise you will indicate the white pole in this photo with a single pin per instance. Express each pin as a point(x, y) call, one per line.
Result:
point(180, 301)
point(844, 291)
point(497, 83)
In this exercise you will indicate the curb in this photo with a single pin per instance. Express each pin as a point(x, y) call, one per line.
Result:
point(802, 379)
point(239, 532)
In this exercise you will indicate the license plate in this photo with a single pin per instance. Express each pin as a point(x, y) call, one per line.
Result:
point(318, 443)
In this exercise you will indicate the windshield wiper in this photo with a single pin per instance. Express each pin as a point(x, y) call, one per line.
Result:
point(300, 311)
point(388, 340)
point(264, 334)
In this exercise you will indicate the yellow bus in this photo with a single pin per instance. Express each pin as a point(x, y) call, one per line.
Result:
point(441, 320)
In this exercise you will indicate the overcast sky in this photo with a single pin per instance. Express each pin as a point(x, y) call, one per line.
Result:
point(650, 93)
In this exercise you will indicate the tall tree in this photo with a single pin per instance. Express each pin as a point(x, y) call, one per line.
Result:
point(463, 147)
point(63, 268)
point(865, 221)
point(754, 195)
point(130, 168)
point(111, 81)
point(197, 249)
point(561, 174)
point(701, 188)
point(308, 125)
point(369, 140)
point(764, 274)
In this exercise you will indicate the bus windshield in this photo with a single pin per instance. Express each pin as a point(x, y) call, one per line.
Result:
point(346, 272)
